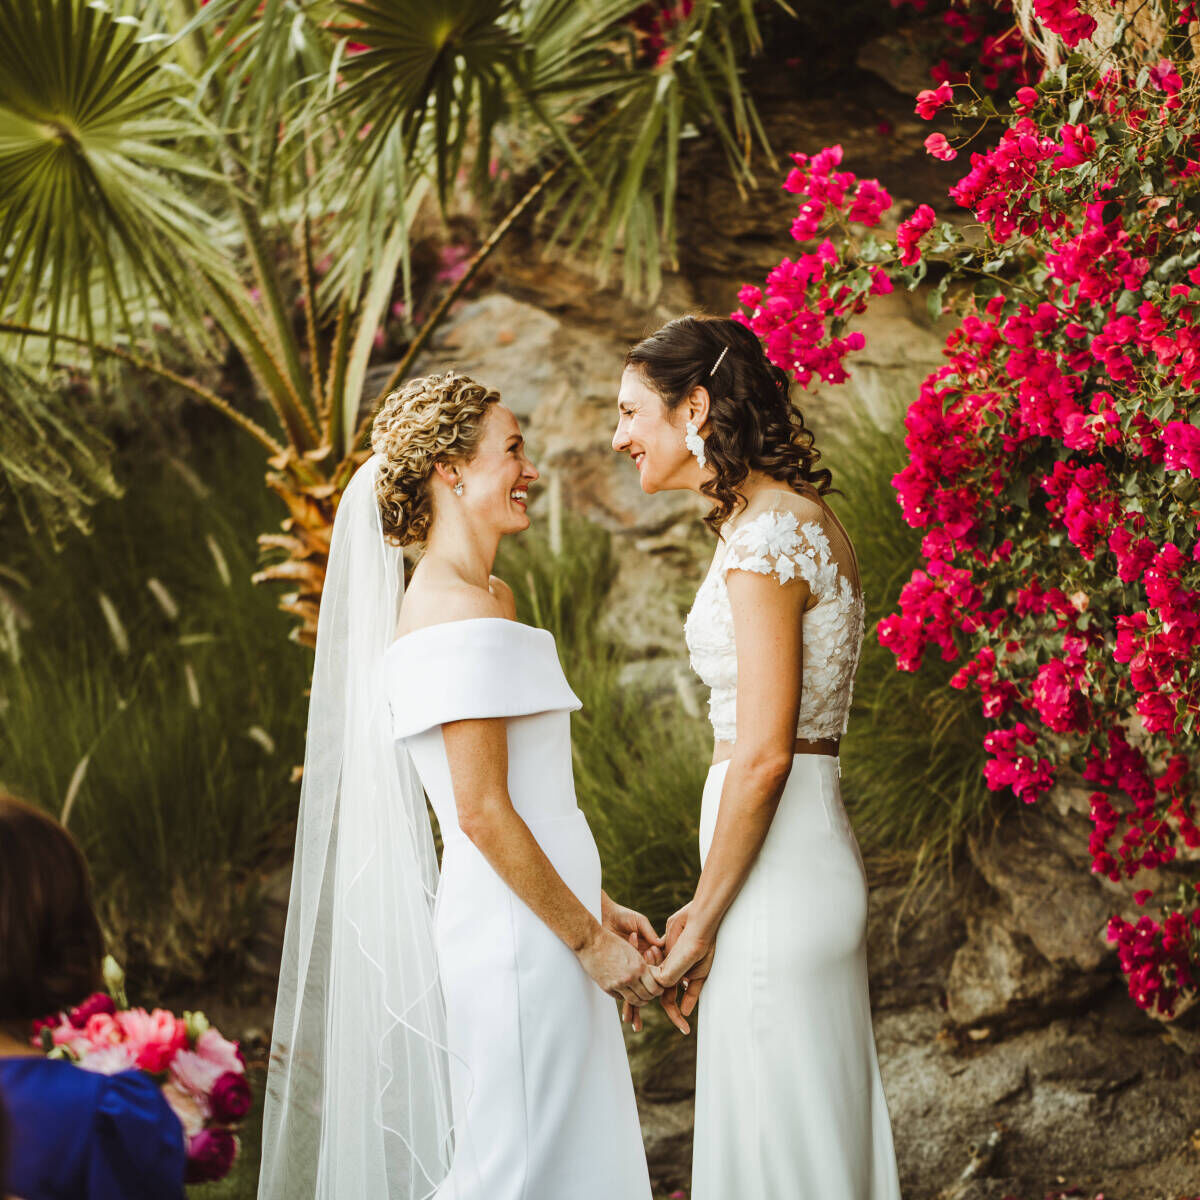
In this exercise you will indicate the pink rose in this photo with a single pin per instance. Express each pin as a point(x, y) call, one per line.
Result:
point(213, 1048)
point(102, 1030)
point(210, 1154)
point(194, 1073)
point(230, 1097)
point(97, 1002)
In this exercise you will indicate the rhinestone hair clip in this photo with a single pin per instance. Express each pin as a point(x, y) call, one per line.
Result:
point(718, 362)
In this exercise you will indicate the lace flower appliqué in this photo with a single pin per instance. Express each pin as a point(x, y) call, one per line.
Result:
point(775, 543)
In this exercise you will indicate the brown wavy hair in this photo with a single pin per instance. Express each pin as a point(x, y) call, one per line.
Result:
point(436, 418)
point(51, 948)
point(752, 424)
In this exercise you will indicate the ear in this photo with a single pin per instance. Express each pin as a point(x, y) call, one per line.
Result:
point(447, 472)
point(696, 406)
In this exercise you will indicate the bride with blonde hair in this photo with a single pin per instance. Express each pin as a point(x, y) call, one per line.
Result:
point(446, 1036)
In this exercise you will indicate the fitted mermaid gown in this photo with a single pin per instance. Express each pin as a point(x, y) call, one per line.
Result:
point(541, 1093)
point(789, 1101)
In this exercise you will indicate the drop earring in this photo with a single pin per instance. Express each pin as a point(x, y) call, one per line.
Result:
point(694, 442)
point(458, 488)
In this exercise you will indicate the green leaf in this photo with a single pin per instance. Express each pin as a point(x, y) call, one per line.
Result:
point(102, 168)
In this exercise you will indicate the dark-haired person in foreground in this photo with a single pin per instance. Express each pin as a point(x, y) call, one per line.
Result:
point(789, 1103)
point(70, 1132)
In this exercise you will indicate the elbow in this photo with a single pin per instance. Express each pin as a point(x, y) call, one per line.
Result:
point(478, 820)
point(768, 771)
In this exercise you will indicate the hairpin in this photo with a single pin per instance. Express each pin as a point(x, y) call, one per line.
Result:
point(718, 362)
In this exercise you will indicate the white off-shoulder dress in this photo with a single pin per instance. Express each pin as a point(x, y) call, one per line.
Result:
point(789, 1101)
point(542, 1097)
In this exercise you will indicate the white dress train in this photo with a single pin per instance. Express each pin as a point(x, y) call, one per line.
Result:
point(542, 1097)
point(789, 1101)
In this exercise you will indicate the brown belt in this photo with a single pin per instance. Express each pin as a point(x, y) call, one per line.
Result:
point(819, 746)
point(800, 746)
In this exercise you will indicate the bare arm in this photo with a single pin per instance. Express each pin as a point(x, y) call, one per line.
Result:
point(477, 753)
point(768, 630)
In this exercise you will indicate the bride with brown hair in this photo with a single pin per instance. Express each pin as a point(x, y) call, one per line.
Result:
point(789, 1102)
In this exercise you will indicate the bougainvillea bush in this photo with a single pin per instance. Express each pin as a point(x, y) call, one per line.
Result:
point(1053, 459)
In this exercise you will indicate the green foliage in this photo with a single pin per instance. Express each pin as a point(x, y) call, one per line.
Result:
point(156, 706)
point(912, 759)
point(640, 763)
point(53, 465)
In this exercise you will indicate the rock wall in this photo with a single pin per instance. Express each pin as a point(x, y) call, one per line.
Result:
point(1013, 1062)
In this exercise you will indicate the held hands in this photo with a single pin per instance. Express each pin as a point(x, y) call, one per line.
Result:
point(619, 957)
point(688, 962)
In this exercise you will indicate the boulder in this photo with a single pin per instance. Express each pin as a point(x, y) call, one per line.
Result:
point(1081, 1102)
point(1037, 862)
point(998, 976)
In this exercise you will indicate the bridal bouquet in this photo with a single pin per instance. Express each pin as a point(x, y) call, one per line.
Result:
point(202, 1075)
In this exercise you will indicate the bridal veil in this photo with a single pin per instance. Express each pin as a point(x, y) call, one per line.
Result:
point(358, 1100)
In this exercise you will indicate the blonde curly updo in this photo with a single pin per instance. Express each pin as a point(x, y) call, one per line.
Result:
point(428, 420)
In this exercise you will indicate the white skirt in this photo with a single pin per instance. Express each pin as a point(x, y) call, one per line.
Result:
point(789, 1102)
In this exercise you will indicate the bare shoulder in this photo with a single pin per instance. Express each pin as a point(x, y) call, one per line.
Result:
point(768, 500)
point(504, 594)
point(433, 601)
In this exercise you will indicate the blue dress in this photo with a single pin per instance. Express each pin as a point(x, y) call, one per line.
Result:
point(77, 1135)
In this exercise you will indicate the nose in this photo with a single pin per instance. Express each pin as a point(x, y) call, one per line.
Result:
point(531, 472)
point(620, 439)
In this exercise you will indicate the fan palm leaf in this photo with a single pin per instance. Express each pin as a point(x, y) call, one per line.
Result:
point(101, 166)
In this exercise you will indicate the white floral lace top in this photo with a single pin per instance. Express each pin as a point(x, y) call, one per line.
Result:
point(776, 542)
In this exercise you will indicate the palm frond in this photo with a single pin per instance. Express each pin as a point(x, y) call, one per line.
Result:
point(101, 167)
point(419, 62)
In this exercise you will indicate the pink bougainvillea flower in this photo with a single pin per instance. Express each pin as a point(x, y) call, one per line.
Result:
point(910, 232)
point(930, 101)
point(937, 145)
point(1064, 18)
point(1181, 446)
point(1077, 146)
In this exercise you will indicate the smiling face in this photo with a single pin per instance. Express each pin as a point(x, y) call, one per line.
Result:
point(653, 437)
point(496, 480)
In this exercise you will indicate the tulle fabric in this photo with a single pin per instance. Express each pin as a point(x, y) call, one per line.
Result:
point(358, 1101)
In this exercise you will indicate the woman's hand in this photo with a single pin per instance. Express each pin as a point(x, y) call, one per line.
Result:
point(676, 923)
point(629, 924)
point(688, 963)
point(618, 969)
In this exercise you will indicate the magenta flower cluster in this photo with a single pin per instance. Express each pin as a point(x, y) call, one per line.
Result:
point(804, 297)
point(1054, 458)
point(973, 36)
